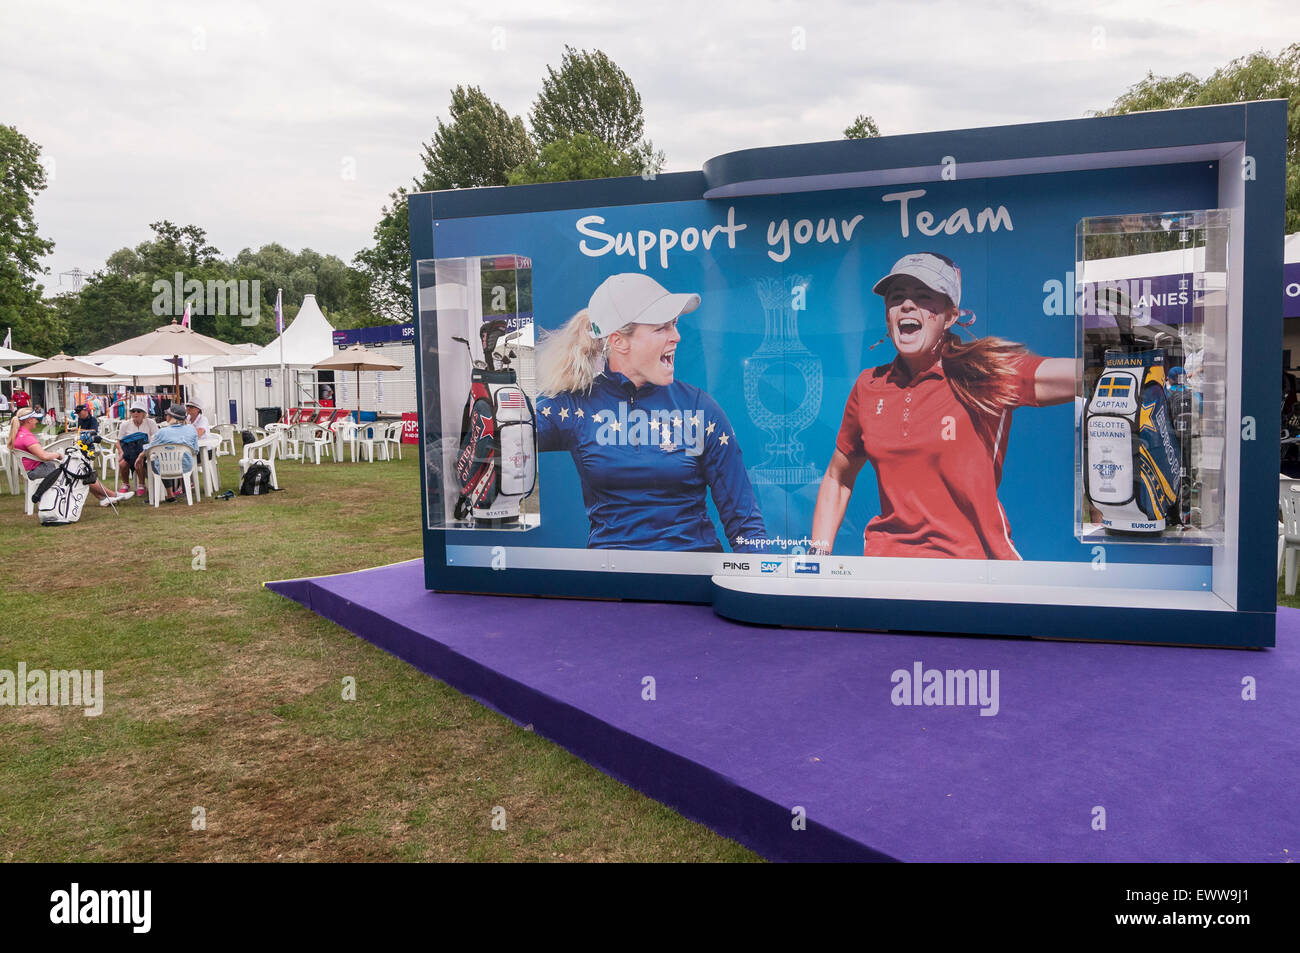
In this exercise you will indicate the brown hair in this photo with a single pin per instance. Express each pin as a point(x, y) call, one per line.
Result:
point(981, 372)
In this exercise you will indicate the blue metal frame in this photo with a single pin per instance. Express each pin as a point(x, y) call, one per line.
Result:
point(1260, 126)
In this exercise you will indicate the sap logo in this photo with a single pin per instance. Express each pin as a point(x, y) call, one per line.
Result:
point(808, 568)
point(743, 567)
point(771, 565)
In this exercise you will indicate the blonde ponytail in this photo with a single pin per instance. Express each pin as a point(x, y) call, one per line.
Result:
point(569, 360)
point(14, 426)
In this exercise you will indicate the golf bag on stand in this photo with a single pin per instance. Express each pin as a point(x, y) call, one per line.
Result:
point(496, 468)
point(61, 494)
point(1134, 468)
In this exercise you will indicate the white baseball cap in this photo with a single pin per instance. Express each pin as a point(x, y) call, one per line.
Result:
point(937, 272)
point(634, 298)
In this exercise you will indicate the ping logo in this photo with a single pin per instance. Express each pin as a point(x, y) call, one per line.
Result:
point(742, 567)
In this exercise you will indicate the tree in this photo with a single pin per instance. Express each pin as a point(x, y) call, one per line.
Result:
point(108, 309)
point(1256, 76)
point(863, 127)
point(43, 330)
point(21, 177)
point(587, 122)
point(480, 145)
point(385, 269)
point(589, 94)
point(581, 156)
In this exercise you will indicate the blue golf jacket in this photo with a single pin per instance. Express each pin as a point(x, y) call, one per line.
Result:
point(646, 457)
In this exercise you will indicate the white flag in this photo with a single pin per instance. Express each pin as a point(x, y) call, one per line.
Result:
point(9, 338)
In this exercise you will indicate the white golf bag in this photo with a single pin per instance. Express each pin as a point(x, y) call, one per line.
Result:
point(496, 468)
point(60, 495)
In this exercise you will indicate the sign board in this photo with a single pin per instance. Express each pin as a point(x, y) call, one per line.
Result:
point(731, 400)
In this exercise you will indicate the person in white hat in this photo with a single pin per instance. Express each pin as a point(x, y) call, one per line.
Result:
point(934, 423)
point(649, 449)
point(132, 437)
point(194, 414)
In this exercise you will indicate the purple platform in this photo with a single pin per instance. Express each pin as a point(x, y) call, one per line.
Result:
point(749, 722)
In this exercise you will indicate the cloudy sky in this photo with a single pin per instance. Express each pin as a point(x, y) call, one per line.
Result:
point(292, 121)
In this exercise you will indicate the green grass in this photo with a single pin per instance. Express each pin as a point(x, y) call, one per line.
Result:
point(225, 696)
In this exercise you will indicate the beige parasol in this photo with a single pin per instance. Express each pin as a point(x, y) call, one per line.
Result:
point(60, 367)
point(9, 357)
point(357, 358)
point(170, 341)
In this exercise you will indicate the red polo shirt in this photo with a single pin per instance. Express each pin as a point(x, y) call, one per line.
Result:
point(938, 463)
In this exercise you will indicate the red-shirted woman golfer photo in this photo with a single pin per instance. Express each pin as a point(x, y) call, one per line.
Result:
point(934, 423)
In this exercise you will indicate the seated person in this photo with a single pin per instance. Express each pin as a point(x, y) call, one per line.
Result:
point(22, 437)
point(194, 414)
point(85, 419)
point(132, 437)
point(176, 429)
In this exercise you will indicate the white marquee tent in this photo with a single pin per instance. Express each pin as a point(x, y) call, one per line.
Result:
point(242, 386)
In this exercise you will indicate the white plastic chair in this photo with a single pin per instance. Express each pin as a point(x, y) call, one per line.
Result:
point(393, 439)
point(28, 486)
point(263, 450)
point(167, 461)
point(287, 435)
point(9, 467)
point(364, 440)
point(317, 440)
point(227, 434)
point(1289, 542)
point(106, 450)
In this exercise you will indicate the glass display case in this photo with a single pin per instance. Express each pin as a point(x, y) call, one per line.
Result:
point(478, 371)
point(1151, 318)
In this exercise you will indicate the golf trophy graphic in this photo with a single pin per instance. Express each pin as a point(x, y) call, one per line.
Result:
point(783, 385)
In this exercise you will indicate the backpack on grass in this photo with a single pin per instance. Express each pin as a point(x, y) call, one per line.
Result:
point(256, 481)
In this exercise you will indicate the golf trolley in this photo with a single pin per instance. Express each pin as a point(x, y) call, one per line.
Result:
point(496, 467)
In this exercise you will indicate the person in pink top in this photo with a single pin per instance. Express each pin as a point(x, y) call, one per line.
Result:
point(21, 437)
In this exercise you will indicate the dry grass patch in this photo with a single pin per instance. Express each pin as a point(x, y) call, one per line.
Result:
point(225, 696)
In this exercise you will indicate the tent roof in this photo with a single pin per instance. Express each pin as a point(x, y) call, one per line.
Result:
point(307, 340)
